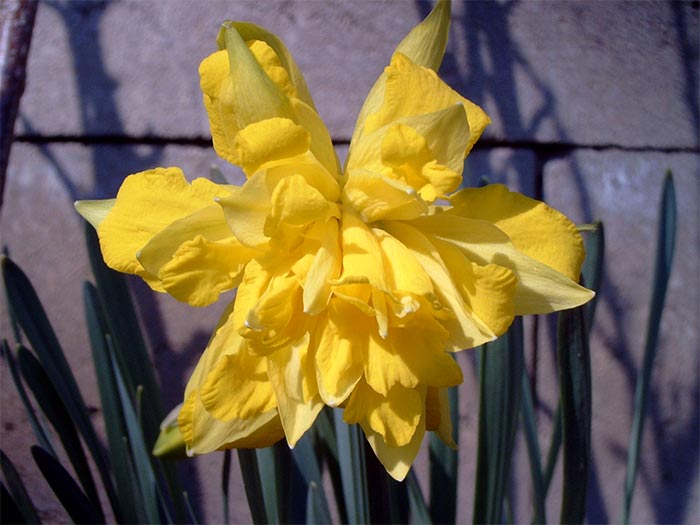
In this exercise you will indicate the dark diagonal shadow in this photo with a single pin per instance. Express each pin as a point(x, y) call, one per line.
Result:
point(493, 63)
point(111, 164)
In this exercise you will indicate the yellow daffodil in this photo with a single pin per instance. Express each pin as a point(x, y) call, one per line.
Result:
point(353, 285)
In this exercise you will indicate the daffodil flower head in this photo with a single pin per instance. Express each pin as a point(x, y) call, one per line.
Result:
point(354, 285)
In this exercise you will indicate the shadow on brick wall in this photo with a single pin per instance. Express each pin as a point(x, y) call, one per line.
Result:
point(485, 25)
point(113, 158)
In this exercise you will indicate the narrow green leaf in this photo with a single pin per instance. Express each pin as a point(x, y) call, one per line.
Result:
point(191, 517)
point(111, 405)
point(591, 277)
point(52, 406)
point(418, 508)
point(41, 432)
point(575, 395)
point(328, 445)
point(444, 465)
point(19, 493)
point(9, 510)
point(351, 457)
point(389, 498)
point(127, 338)
point(133, 359)
point(35, 325)
point(662, 272)
point(315, 502)
point(248, 461)
point(554, 447)
point(76, 503)
point(501, 364)
point(276, 473)
point(140, 454)
point(225, 483)
point(305, 458)
point(592, 269)
point(533, 451)
point(215, 175)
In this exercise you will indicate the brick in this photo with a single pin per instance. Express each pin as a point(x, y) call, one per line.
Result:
point(44, 236)
point(619, 73)
point(623, 190)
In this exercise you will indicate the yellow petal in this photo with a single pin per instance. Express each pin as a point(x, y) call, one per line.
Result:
point(411, 354)
point(541, 289)
point(94, 211)
point(465, 329)
point(321, 143)
point(339, 349)
point(237, 92)
point(213, 74)
point(271, 63)
point(204, 433)
point(251, 84)
point(425, 45)
point(200, 270)
point(253, 32)
point(488, 291)
point(249, 92)
point(147, 203)
point(237, 387)
point(394, 416)
point(247, 210)
point(362, 258)
point(208, 222)
point(376, 197)
point(405, 274)
point(396, 460)
point(297, 203)
point(535, 229)
point(277, 319)
point(325, 267)
point(414, 90)
point(255, 281)
point(315, 173)
point(269, 140)
point(291, 372)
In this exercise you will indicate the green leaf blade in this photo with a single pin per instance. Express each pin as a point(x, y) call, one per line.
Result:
point(74, 501)
point(32, 318)
point(52, 406)
point(665, 247)
point(18, 491)
point(501, 370)
point(444, 467)
point(575, 397)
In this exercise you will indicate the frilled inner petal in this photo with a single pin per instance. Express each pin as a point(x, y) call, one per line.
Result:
point(339, 342)
point(201, 430)
point(465, 328)
point(423, 152)
point(147, 203)
point(249, 82)
point(396, 460)
point(414, 90)
point(395, 415)
point(291, 372)
point(237, 387)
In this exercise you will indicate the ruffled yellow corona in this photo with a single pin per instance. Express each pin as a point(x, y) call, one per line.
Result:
point(353, 285)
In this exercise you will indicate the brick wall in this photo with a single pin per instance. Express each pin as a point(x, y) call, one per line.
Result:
point(591, 102)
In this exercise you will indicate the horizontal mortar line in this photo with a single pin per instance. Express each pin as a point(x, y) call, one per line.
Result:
point(483, 144)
